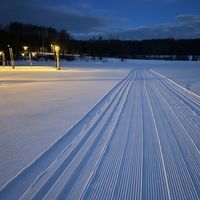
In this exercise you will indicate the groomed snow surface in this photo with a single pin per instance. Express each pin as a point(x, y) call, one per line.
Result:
point(140, 141)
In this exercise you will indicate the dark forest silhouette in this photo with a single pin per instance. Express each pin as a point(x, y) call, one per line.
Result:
point(40, 38)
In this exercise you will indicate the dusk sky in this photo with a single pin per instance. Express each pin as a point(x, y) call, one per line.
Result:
point(127, 19)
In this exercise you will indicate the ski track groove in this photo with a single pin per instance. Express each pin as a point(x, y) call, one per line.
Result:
point(100, 160)
point(140, 141)
point(105, 125)
point(185, 192)
point(178, 91)
point(178, 107)
point(142, 171)
point(126, 186)
point(121, 170)
point(193, 166)
point(195, 118)
point(50, 183)
point(103, 152)
point(106, 170)
point(158, 138)
point(189, 121)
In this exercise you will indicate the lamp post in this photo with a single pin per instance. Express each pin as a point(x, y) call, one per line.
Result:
point(30, 58)
point(56, 51)
point(53, 50)
point(29, 54)
point(2, 54)
point(11, 56)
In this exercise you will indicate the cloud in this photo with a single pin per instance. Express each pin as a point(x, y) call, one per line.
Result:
point(60, 17)
point(85, 21)
point(185, 26)
point(185, 19)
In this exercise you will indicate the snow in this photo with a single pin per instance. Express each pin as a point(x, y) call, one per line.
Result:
point(158, 118)
point(185, 73)
point(39, 106)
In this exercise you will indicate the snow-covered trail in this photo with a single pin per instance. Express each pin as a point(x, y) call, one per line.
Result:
point(141, 141)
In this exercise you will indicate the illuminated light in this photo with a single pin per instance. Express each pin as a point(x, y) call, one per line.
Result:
point(52, 48)
point(23, 54)
point(1, 52)
point(25, 48)
point(57, 48)
point(34, 54)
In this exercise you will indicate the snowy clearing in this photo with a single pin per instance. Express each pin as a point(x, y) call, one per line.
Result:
point(141, 141)
point(186, 73)
point(39, 105)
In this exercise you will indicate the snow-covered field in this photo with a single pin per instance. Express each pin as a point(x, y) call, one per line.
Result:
point(38, 107)
point(186, 73)
point(141, 141)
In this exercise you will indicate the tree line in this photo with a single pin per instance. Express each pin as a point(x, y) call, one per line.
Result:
point(40, 38)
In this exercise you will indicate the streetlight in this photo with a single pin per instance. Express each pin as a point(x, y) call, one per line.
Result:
point(2, 54)
point(11, 56)
point(29, 54)
point(53, 50)
point(56, 51)
point(33, 54)
point(25, 48)
point(30, 58)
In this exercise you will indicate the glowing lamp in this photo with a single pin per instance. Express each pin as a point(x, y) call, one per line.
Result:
point(57, 48)
point(25, 48)
point(34, 54)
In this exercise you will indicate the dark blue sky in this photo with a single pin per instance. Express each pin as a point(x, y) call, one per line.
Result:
point(127, 19)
